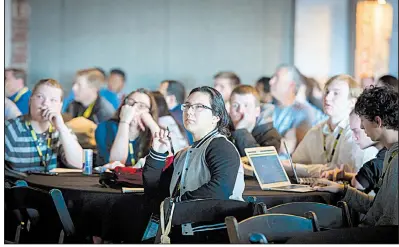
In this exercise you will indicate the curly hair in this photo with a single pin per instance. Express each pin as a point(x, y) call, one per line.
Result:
point(381, 102)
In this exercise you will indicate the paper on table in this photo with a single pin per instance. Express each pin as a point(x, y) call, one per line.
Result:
point(132, 190)
point(65, 170)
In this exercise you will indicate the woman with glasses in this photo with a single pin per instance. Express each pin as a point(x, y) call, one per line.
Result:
point(127, 136)
point(210, 168)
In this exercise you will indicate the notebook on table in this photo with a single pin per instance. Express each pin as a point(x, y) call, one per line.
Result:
point(269, 171)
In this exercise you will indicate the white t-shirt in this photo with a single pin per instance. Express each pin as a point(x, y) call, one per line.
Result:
point(313, 160)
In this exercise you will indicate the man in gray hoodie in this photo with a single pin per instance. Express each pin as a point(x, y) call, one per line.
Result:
point(378, 110)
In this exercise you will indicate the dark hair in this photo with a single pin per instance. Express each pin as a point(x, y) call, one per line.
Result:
point(389, 81)
point(164, 111)
point(17, 73)
point(146, 136)
point(118, 72)
point(234, 79)
point(218, 108)
point(381, 102)
point(177, 89)
point(265, 81)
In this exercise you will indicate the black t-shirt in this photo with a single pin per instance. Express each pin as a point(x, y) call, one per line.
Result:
point(371, 171)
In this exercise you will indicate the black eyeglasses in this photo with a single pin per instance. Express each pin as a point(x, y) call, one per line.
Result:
point(140, 105)
point(196, 107)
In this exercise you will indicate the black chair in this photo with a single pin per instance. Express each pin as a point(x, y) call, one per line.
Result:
point(328, 216)
point(276, 228)
point(42, 216)
point(206, 217)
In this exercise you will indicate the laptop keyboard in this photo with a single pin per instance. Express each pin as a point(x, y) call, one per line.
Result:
point(308, 181)
point(292, 186)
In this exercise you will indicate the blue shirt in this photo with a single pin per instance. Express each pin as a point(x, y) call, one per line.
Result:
point(112, 97)
point(23, 101)
point(292, 116)
point(105, 136)
point(178, 115)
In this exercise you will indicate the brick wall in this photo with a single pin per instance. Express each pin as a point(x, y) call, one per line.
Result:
point(19, 31)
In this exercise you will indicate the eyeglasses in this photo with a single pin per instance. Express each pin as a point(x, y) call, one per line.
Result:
point(196, 107)
point(140, 105)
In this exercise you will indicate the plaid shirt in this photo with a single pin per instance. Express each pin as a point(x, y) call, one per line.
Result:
point(20, 148)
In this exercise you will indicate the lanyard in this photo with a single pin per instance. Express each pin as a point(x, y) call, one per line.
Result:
point(131, 152)
point(335, 145)
point(88, 111)
point(19, 95)
point(39, 151)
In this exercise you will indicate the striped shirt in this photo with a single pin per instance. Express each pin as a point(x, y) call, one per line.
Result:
point(20, 148)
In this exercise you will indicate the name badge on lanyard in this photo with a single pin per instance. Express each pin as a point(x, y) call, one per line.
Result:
point(43, 159)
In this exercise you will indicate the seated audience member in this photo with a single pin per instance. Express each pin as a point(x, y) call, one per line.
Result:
point(211, 166)
point(71, 96)
point(367, 81)
point(175, 93)
point(330, 144)
point(292, 118)
point(15, 89)
point(167, 121)
point(40, 140)
point(389, 81)
point(378, 111)
point(367, 177)
point(114, 90)
point(244, 109)
point(263, 88)
point(127, 136)
point(10, 109)
point(225, 82)
point(88, 103)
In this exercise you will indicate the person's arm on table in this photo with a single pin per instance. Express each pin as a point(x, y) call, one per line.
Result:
point(71, 150)
point(356, 199)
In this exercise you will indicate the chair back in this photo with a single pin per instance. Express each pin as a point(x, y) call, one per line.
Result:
point(277, 228)
point(209, 212)
point(328, 216)
point(39, 215)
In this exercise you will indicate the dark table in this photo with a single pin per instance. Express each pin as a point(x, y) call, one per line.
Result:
point(92, 206)
point(74, 185)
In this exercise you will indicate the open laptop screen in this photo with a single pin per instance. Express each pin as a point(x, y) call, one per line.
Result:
point(268, 168)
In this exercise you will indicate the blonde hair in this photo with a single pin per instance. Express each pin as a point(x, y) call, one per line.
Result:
point(354, 88)
point(94, 77)
point(234, 79)
point(48, 82)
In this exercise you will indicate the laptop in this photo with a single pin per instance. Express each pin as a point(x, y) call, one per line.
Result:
point(307, 181)
point(269, 171)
